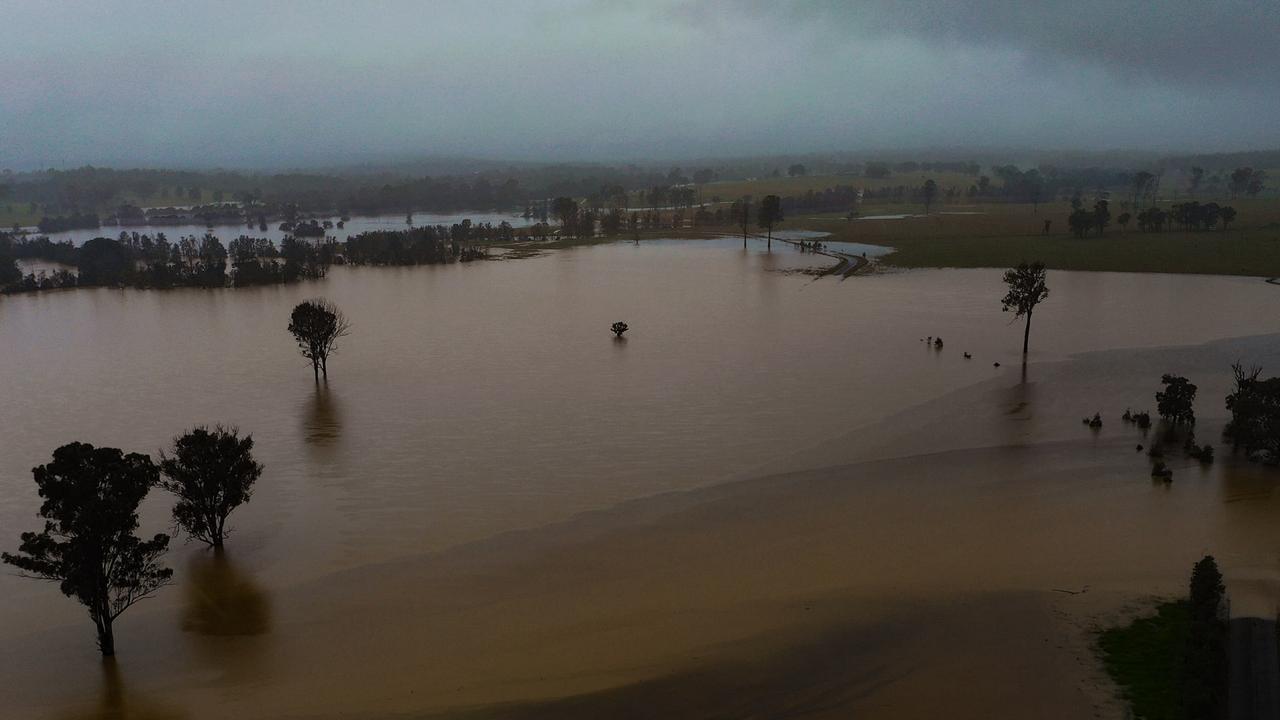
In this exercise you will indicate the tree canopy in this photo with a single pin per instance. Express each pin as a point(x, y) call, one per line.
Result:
point(1176, 402)
point(1027, 289)
point(210, 473)
point(88, 544)
point(317, 325)
point(1255, 412)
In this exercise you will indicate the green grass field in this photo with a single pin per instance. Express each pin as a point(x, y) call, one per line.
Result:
point(1145, 659)
point(1004, 235)
point(12, 212)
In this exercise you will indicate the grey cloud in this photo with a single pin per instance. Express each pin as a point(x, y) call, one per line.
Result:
point(1174, 41)
point(269, 84)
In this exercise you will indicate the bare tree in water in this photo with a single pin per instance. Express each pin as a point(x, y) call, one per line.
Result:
point(317, 325)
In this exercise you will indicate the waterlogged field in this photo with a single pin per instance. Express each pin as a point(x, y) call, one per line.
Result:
point(772, 494)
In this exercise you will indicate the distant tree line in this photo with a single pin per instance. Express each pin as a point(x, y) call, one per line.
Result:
point(880, 169)
point(74, 221)
point(152, 261)
point(145, 261)
point(429, 245)
point(87, 190)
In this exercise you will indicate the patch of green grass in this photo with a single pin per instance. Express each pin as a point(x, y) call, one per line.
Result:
point(1224, 253)
point(1005, 235)
point(1145, 659)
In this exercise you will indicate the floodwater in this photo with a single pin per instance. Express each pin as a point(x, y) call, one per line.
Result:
point(356, 225)
point(487, 503)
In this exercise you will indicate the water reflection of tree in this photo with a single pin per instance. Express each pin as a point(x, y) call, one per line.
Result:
point(117, 703)
point(222, 600)
point(322, 422)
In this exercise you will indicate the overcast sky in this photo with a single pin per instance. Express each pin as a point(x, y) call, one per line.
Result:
point(258, 83)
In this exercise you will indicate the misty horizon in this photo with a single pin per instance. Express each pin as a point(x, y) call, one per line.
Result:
point(586, 81)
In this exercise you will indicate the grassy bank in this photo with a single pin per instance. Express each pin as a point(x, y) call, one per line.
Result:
point(1145, 658)
point(1004, 235)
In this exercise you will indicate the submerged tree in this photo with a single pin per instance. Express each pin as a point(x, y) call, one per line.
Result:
point(1026, 290)
point(211, 472)
point(1176, 402)
point(618, 328)
point(1255, 412)
point(88, 545)
point(770, 214)
point(317, 325)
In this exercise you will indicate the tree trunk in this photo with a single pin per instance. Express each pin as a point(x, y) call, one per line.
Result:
point(1026, 335)
point(106, 639)
point(770, 246)
point(315, 368)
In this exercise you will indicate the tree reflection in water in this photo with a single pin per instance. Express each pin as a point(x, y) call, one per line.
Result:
point(322, 423)
point(116, 703)
point(222, 600)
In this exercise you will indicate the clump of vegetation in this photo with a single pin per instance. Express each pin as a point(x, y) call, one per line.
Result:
point(618, 328)
point(1173, 664)
point(1094, 422)
point(1176, 402)
point(88, 545)
point(1161, 471)
point(1203, 453)
point(1141, 419)
point(1255, 414)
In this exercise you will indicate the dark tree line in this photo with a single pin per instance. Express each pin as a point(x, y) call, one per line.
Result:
point(144, 261)
point(75, 221)
point(147, 261)
point(430, 245)
point(1188, 215)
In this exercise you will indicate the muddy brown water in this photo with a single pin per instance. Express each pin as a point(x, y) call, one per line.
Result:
point(418, 543)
